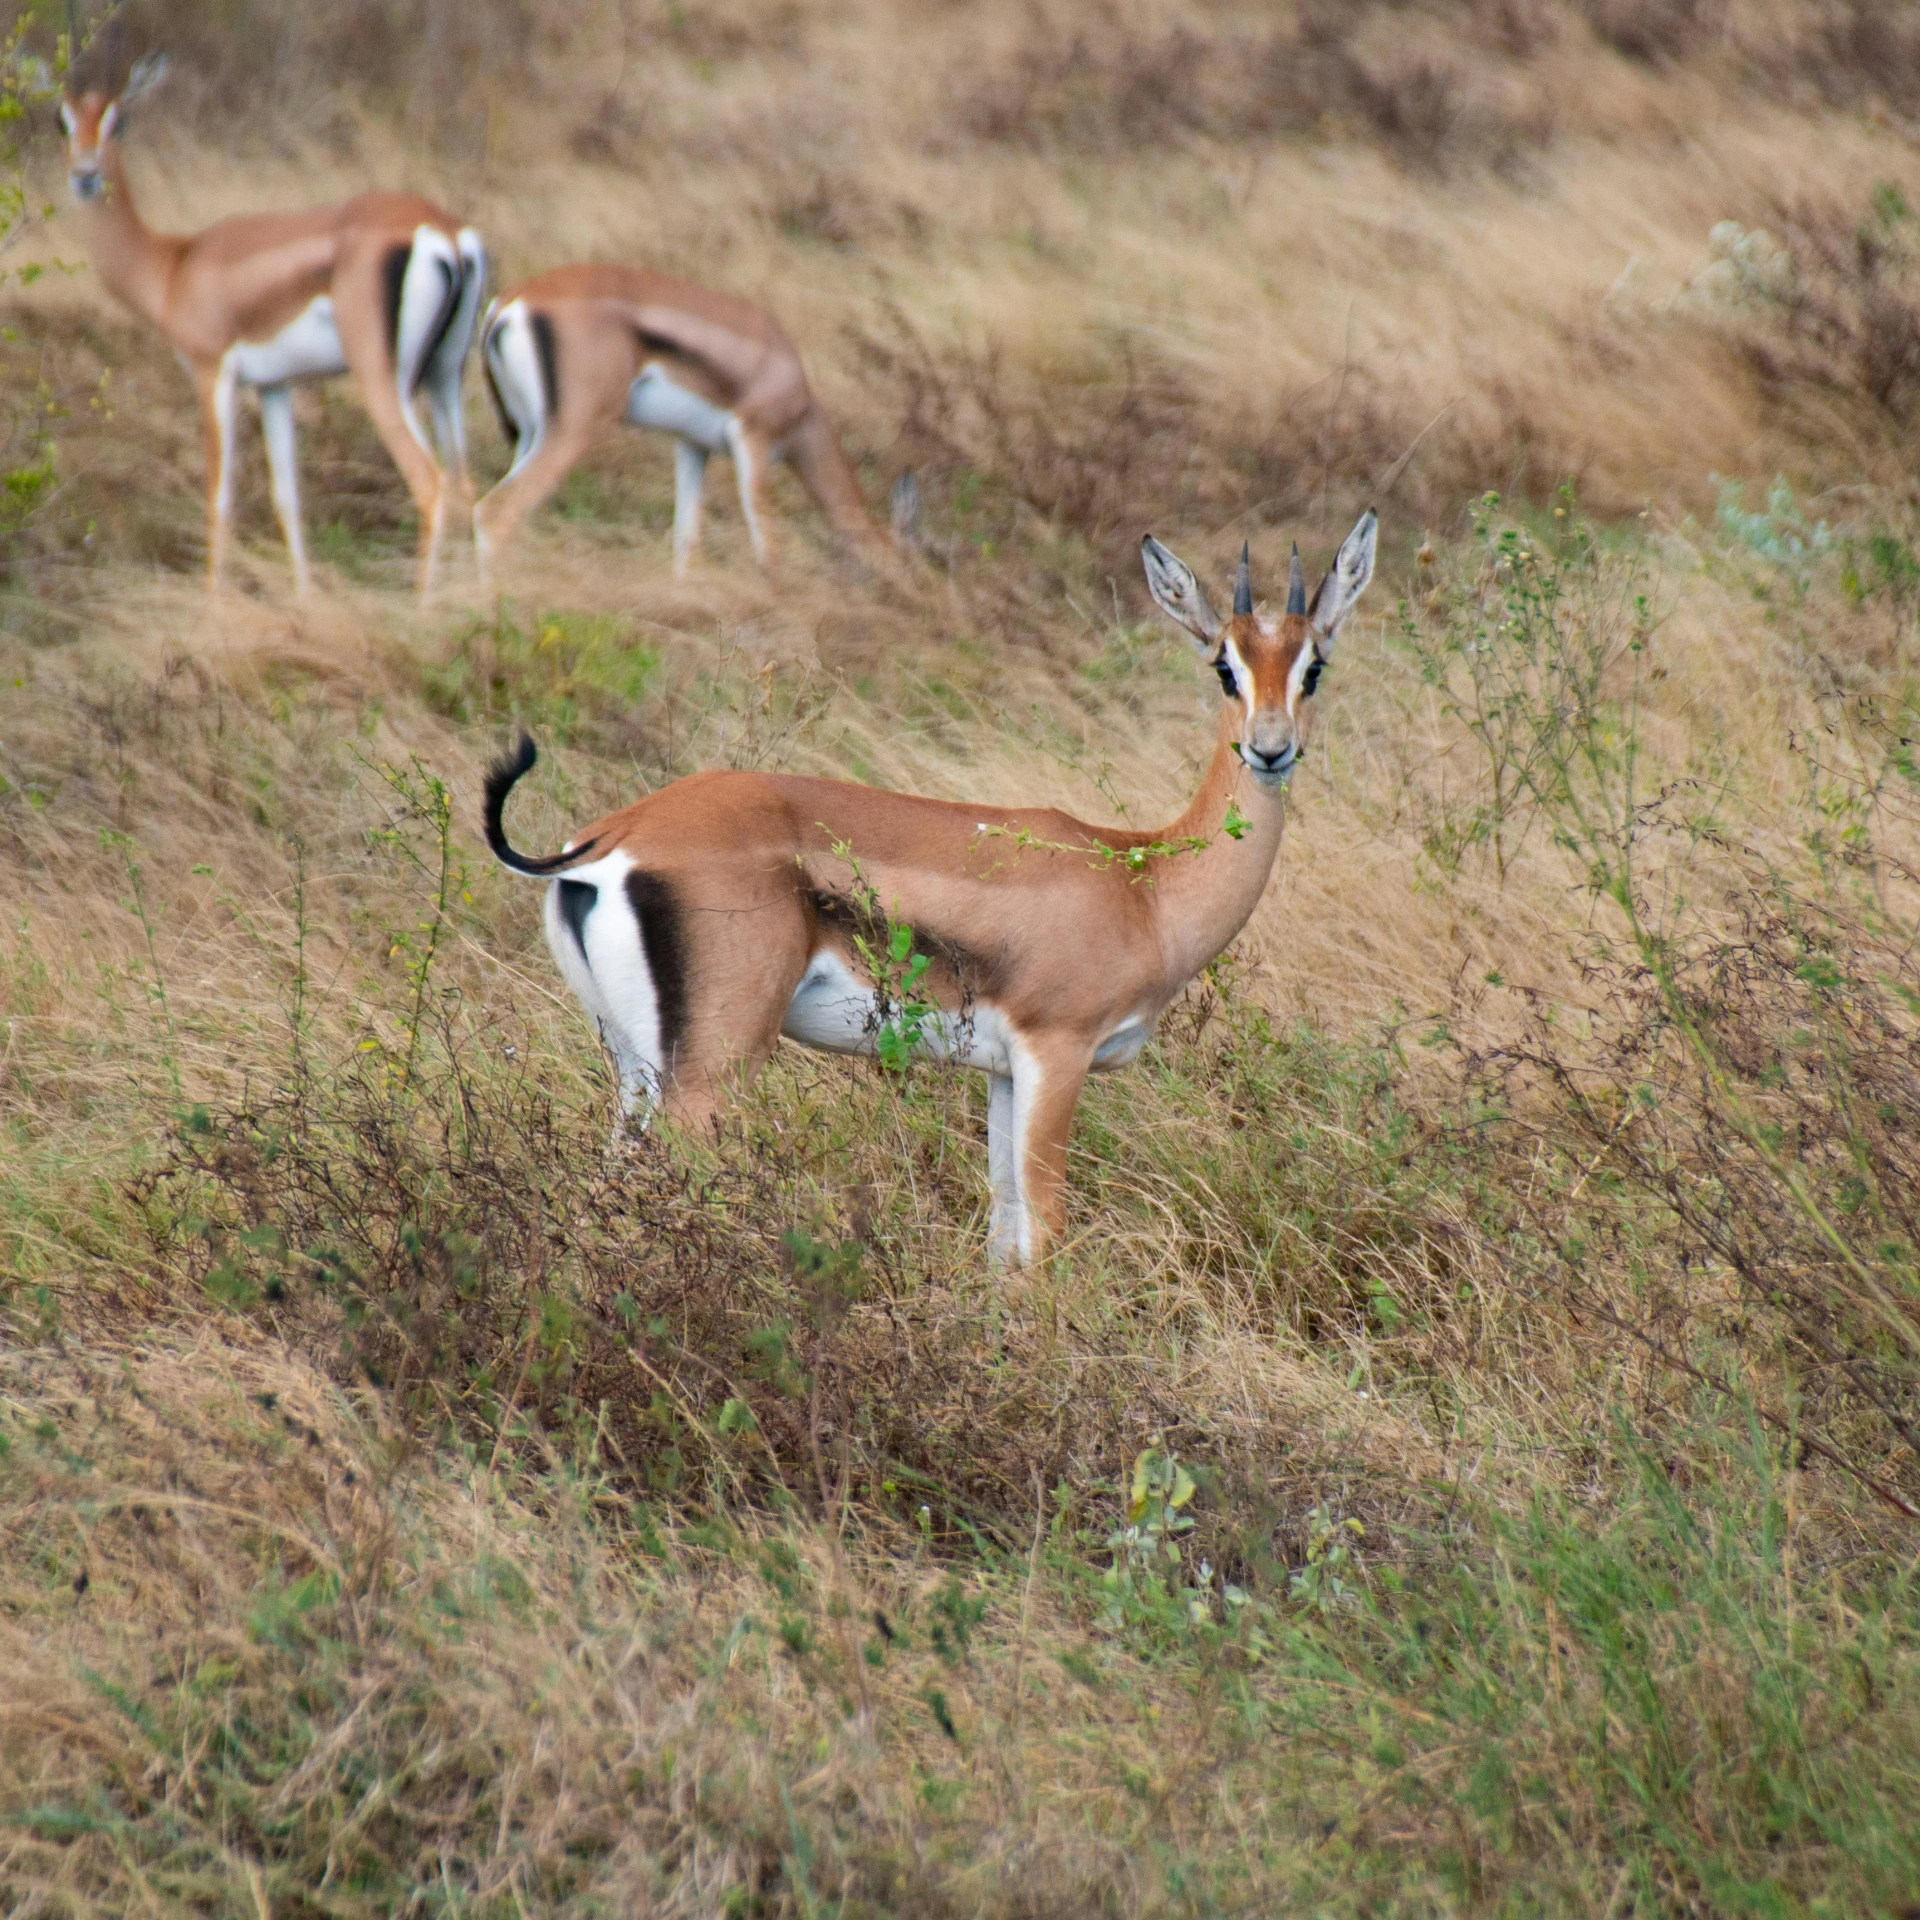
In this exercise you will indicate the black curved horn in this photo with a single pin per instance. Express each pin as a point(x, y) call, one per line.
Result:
point(1296, 583)
point(1243, 583)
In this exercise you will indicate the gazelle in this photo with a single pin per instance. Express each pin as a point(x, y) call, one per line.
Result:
point(386, 285)
point(579, 349)
point(706, 920)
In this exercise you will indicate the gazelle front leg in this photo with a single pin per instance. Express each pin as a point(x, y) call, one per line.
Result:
point(689, 476)
point(217, 401)
point(752, 457)
point(276, 426)
point(1029, 1115)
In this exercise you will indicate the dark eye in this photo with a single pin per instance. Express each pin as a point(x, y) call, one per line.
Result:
point(1228, 684)
point(1312, 680)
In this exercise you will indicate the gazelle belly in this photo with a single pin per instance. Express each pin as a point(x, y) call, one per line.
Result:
point(834, 1011)
point(655, 401)
point(306, 348)
point(1121, 1048)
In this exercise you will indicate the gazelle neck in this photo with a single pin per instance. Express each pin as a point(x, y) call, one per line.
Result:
point(134, 263)
point(1205, 898)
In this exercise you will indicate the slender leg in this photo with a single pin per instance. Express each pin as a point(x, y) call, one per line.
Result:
point(217, 403)
point(752, 456)
point(689, 476)
point(1046, 1089)
point(529, 482)
point(1003, 1233)
point(276, 424)
point(385, 378)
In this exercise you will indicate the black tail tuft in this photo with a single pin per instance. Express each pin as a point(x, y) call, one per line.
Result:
point(502, 777)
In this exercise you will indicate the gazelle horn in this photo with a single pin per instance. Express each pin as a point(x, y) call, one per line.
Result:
point(1296, 584)
point(1243, 583)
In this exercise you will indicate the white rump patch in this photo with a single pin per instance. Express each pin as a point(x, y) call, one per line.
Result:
point(611, 978)
point(514, 361)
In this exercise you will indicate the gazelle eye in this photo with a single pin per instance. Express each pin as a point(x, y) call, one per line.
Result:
point(1312, 679)
point(1224, 668)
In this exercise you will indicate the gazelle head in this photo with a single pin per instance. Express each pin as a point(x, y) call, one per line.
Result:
point(95, 118)
point(1271, 667)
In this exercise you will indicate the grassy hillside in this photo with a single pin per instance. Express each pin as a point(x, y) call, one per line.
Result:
point(1467, 1457)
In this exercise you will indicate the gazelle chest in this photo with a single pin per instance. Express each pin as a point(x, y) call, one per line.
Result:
point(656, 401)
point(306, 348)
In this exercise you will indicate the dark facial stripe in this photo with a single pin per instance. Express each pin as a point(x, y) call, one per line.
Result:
point(658, 342)
point(393, 270)
point(578, 898)
point(547, 348)
point(663, 942)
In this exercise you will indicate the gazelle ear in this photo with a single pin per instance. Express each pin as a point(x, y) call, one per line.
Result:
point(146, 75)
point(1178, 594)
point(1352, 569)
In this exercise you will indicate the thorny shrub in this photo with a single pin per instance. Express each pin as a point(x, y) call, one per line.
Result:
point(1724, 1141)
point(714, 1320)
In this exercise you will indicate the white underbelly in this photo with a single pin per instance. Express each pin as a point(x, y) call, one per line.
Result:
point(655, 401)
point(306, 348)
point(834, 1011)
point(1121, 1048)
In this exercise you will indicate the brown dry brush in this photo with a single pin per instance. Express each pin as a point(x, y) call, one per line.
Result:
point(1845, 322)
point(462, 1243)
point(1739, 1156)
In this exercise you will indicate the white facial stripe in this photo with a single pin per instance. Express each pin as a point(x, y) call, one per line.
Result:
point(106, 122)
point(1296, 679)
point(66, 118)
point(1242, 678)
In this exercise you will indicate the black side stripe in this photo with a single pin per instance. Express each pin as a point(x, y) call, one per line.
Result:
point(508, 430)
point(393, 271)
point(578, 898)
point(548, 350)
point(662, 939)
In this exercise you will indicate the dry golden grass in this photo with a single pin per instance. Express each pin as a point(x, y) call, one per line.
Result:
point(540, 1562)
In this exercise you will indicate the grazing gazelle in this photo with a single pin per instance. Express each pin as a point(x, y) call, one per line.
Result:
point(576, 350)
point(706, 920)
point(386, 285)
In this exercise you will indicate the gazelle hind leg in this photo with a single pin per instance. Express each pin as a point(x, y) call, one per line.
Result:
point(447, 365)
point(389, 368)
point(218, 398)
point(276, 428)
point(589, 940)
point(689, 476)
point(752, 456)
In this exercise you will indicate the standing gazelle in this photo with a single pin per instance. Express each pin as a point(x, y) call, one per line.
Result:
point(577, 350)
point(706, 920)
point(386, 285)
